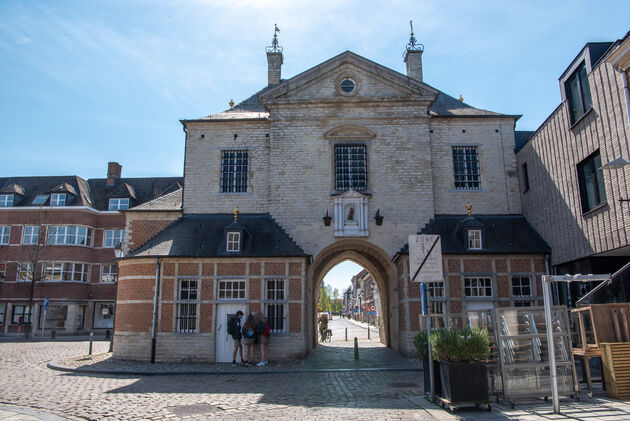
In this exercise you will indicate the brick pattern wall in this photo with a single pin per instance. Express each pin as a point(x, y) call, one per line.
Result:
point(552, 203)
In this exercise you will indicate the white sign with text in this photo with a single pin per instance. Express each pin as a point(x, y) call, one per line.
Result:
point(425, 258)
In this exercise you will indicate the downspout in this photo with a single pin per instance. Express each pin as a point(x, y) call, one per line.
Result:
point(624, 77)
point(155, 309)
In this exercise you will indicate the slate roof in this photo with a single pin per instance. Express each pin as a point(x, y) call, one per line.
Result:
point(444, 105)
point(202, 235)
point(501, 234)
point(141, 190)
point(33, 186)
point(520, 138)
point(169, 202)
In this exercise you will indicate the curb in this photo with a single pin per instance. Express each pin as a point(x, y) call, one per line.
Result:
point(32, 412)
point(59, 367)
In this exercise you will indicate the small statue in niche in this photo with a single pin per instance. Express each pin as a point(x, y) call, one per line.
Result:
point(350, 213)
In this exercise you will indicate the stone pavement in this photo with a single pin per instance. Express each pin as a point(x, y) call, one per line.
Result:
point(356, 393)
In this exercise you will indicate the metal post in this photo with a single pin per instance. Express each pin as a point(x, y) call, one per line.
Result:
point(346, 334)
point(368, 331)
point(550, 344)
point(91, 339)
point(44, 323)
point(356, 348)
point(429, 351)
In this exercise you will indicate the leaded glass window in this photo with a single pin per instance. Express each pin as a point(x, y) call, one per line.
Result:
point(234, 168)
point(466, 167)
point(350, 167)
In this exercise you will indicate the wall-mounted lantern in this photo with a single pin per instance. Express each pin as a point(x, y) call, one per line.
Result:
point(327, 219)
point(378, 217)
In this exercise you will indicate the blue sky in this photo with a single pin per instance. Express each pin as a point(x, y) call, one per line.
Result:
point(86, 82)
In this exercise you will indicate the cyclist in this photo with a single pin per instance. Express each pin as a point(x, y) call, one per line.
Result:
point(323, 325)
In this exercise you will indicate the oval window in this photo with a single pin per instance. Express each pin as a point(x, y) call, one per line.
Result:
point(347, 85)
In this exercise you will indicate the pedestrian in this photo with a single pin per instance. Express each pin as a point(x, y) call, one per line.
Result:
point(249, 335)
point(323, 325)
point(263, 331)
point(234, 329)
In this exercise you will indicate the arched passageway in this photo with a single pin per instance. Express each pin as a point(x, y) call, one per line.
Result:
point(375, 261)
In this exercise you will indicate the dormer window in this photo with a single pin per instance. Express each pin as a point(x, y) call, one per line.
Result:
point(578, 93)
point(118, 204)
point(233, 241)
point(6, 200)
point(58, 199)
point(474, 239)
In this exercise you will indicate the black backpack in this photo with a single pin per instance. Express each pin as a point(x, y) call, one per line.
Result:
point(231, 327)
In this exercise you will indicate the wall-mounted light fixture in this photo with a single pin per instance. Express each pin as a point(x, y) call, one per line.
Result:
point(617, 164)
point(378, 217)
point(327, 218)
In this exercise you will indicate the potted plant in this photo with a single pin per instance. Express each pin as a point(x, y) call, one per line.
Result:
point(461, 353)
point(421, 343)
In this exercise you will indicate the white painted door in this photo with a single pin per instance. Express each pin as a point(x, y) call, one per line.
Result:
point(224, 341)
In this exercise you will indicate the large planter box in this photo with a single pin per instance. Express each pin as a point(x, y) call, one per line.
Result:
point(464, 382)
point(436, 377)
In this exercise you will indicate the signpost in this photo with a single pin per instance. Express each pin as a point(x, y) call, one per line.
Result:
point(425, 265)
point(46, 301)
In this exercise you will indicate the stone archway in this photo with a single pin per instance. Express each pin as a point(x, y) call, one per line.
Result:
point(374, 260)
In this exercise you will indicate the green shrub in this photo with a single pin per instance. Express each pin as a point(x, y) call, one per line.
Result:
point(454, 344)
point(421, 343)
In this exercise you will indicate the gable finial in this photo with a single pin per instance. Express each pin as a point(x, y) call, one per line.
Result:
point(236, 213)
point(413, 44)
point(469, 208)
point(274, 47)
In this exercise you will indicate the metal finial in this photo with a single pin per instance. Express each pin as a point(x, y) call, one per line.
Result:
point(236, 213)
point(274, 47)
point(469, 208)
point(413, 44)
point(461, 98)
point(231, 103)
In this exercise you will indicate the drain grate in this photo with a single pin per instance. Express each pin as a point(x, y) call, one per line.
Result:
point(196, 409)
point(403, 384)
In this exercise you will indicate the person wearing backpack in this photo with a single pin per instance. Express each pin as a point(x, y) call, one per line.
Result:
point(234, 329)
point(263, 331)
point(249, 335)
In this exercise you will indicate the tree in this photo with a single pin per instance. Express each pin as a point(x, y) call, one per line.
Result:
point(324, 302)
point(335, 294)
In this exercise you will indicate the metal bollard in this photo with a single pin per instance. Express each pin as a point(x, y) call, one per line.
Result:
point(53, 334)
point(356, 348)
point(91, 338)
point(107, 334)
point(346, 334)
point(368, 331)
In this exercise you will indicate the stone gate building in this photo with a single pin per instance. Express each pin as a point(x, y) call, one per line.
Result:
point(341, 162)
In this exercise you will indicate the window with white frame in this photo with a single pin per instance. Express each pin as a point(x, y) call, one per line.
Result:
point(351, 167)
point(25, 271)
point(2, 307)
point(474, 239)
point(69, 235)
point(118, 204)
point(6, 200)
point(113, 238)
point(234, 168)
point(30, 234)
point(64, 271)
point(522, 288)
point(3, 271)
point(109, 273)
point(187, 306)
point(275, 292)
point(21, 311)
point(5, 233)
point(436, 297)
point(58, 199)
point(231, 290)
point(478, 287)
point(234, 241)
point(466, 167)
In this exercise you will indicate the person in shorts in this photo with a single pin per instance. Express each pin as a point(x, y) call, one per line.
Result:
point(237, 336)
point(249, 336)
point(262, 330)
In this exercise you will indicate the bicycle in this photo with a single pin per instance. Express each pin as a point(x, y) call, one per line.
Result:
point(326, 335)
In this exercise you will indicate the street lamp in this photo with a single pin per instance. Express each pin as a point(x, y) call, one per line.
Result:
point(617, 164)
point(118, 253)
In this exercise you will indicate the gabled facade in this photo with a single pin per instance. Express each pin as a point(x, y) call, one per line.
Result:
point(62, 232)
point(575, 169)
point(346, 160)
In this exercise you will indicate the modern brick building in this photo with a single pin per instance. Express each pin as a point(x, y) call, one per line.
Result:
point(575, 169)
point(61, 231)
point(341, 162)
